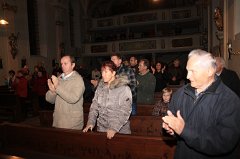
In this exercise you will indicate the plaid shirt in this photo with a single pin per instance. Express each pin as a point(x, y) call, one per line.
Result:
point(123, 70)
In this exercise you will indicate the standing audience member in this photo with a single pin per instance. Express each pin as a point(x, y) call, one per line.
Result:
point(161, 107)
point(134, 64)
point(33, 82)
point(96, 74)
point(161, 76)
point(66, 92)
point(123, 70)
point(111, 105)
point(229, 77)
point(41, 89)
point(204, 114)
point(175, 73)
point(57, 71)
point(20, 84)
point(146, 83)
point(10, 78)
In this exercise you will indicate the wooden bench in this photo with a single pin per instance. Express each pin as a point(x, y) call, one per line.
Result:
point(10, 108)
point(140, 125)
point(146, 125)
point(90, 145)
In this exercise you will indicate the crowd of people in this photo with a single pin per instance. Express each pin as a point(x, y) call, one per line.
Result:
point(202, 114)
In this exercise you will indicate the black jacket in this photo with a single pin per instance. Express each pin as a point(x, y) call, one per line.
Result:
point(230, 79)
point(212, 122)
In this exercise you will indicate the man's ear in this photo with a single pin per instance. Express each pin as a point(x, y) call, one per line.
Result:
point(211, 72)
point(73, 65)
point(114, 73)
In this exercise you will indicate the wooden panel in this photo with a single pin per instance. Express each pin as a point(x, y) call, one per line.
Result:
point(140, 125)
point(90, 145)
point(146, 125)
point(10, 107)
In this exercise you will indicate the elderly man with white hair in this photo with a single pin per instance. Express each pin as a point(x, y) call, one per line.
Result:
point(204, 114)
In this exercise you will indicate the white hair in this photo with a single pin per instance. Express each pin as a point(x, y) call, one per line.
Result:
point(206, 59)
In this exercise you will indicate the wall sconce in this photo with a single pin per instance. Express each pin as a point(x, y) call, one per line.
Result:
point(230, 49)
point(6, 6)
point(3, 21)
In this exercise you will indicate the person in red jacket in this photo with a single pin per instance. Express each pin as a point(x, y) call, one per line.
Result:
point(41, 89)
point(20, 84)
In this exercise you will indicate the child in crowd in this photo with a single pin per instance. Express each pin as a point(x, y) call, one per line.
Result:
point(161, 107)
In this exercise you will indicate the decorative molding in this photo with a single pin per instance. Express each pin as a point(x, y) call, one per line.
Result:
point(181, 14)
point(140, 18)
point(105, 22)
point(99, 48)
point(137, 45)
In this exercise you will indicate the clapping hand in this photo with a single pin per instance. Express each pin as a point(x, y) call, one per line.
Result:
point(51, 86)
point(173, 123)
point(54, 81)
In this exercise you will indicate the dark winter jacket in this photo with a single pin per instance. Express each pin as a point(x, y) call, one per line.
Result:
point(230, 79)
point(212, 122)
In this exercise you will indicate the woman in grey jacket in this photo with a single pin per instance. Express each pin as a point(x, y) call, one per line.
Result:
point(111, 105)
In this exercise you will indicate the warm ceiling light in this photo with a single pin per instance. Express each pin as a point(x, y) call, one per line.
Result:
point(3, 22)
point(155, 0)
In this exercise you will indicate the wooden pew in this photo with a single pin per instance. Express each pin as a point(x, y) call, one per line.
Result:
point(146, 125)
point(90, 145)
point(10, 108)
point(140, 125)
point(6, 90)
point(145, 109)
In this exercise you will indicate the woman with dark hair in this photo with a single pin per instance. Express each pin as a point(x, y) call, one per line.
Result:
point(111, 105)
point(160, 74)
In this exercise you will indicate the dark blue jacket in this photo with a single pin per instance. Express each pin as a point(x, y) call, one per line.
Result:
point(212, 122)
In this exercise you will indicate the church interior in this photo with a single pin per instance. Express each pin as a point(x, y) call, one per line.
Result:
point(39, 32)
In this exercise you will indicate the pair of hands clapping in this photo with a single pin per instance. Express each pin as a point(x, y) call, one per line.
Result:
point(173, 124)
point(53, 83)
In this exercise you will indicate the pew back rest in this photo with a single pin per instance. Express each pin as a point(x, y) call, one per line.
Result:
point(146, 125)
point(8, 100)
point(89, 145)
point(10, 107)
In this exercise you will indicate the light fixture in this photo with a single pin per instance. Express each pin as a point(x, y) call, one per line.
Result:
point(2, 19)
point(3, 22)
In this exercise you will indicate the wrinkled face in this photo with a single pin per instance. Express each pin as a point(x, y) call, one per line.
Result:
point(166, 97)
point(107, 74)
point(133, 61)
point(116, 60)
point(67, 66)
point(158, 66)
point(141, 67)
point(197, 74)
